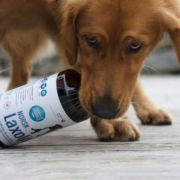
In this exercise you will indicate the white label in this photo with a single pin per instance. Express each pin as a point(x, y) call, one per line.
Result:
point(31, 111)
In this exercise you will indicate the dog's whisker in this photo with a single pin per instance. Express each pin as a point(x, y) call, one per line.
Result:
point(141, 118)
point(137, 95)
point(147, 70)
point(4, 70)
point(69, 95)
point(74, 107)
point(150, 68)
point(140, 115)
point(138, 103)
point(65, 89)
point(82, 114)
point(78, 103)
point(70, 100)
point(73, 110)
point(81, 110)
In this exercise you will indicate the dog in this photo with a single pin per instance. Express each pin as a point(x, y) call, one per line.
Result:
point(106, 41)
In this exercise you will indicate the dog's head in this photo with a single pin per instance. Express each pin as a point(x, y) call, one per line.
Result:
point(113, 37)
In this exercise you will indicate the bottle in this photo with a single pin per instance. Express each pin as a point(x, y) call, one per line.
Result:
point(41, 107)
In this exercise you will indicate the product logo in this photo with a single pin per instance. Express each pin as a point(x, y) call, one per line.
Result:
point(44, 80)
point(37, 113)
point(43, 86)
point(43, 92)
point(7, 105)
point(63, 121)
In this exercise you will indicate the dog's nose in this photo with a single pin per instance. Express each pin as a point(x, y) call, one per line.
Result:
point(105, 109)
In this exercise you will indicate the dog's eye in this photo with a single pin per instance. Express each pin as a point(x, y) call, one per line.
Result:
point(92, 41)
point(134, 48)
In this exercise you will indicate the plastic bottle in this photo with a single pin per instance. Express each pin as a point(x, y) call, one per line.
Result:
point(44, 106)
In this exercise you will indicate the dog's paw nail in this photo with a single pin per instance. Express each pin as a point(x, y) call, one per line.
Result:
point(109, 138)
point(155, 117)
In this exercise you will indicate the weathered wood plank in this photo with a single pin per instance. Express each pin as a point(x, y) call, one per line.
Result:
point(74, 153)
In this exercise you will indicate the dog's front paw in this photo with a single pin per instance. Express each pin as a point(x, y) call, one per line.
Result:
point(154, 117)
point(117, 130)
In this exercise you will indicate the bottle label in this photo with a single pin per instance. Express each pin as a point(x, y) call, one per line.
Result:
point(31, 111)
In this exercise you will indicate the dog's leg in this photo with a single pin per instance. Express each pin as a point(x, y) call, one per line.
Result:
point(22, 47)
point(146, 111)
point(21, 70)
point(117, 130)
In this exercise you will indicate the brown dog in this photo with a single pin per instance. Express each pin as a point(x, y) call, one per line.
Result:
point(111, 37)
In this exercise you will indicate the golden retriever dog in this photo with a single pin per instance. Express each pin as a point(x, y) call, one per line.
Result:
point(106, 41)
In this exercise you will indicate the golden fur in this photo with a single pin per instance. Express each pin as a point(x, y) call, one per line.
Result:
point(108, 71)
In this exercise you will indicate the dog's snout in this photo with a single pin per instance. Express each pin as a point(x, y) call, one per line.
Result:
point(105, 109)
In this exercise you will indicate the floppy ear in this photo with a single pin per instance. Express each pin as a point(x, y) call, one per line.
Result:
point(69, 42)
point(172, 25)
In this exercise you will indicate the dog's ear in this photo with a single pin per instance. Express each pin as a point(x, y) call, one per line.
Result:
point(172, 26)
point(70, 10)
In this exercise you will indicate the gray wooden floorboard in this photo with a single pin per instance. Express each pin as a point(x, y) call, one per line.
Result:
point(74, 153)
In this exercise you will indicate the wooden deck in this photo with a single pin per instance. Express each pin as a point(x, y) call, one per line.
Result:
point(74, 153)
